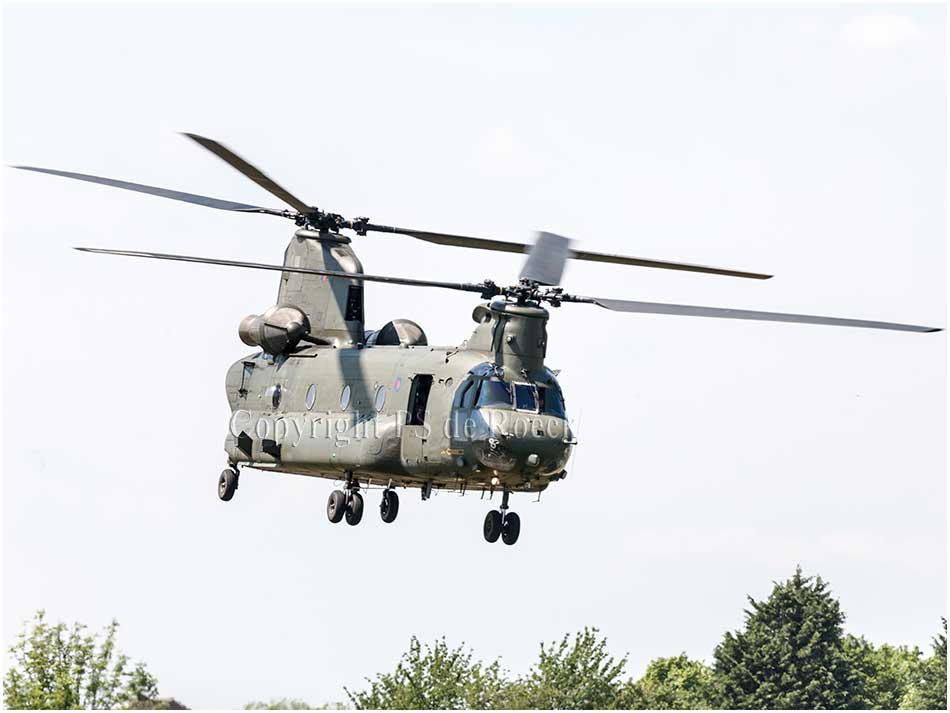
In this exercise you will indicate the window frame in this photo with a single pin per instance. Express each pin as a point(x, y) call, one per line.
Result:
point(514, 394)
point(481, 385)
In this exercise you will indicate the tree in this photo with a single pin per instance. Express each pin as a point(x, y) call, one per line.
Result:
point(673, 683)
point(58, 667)
point(434, 677)
point(790, 654)
point(929, 691)
point(884, 673)
point(572, 675)
point(290, 704)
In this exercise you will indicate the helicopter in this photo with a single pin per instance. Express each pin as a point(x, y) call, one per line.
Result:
point(382, 409)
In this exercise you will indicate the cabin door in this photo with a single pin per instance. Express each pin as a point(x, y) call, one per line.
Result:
point(415, 432)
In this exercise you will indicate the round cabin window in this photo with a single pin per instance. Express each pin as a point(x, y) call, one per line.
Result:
point(345, 398)
point(311, 396)
point(275, 395)
point(380, 398)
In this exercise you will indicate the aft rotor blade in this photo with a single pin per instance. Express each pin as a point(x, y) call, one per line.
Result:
point(545, 263)
point(161, 192)
point(464, 241)
point(463, 286)
point(461, 241)
point(252, 172)
point(697, 311)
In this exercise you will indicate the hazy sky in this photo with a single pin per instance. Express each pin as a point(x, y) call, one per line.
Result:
point(714, 456)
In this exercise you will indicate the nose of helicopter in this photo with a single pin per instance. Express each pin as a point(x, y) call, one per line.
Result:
point(532, 444)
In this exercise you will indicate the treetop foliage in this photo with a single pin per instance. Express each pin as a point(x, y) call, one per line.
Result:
point(290, 704)
point(59, 667)
point(791, 652)
point(577, 673)
point(929, 688)
point(673, 683)
point(434, 677)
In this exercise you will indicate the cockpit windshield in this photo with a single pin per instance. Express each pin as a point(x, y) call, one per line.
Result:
point(485, 387)
point(524, 398)
point(494, 393)
point(551, 401)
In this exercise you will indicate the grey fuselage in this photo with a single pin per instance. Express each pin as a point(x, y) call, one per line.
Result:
point(405, 413)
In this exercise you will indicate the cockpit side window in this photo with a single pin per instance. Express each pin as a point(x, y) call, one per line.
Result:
point(524, 397)
point(551, 402)
point(494, 393)
point(467, 394)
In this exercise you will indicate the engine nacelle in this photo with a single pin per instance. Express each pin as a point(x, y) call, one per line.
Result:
point(399, 332)
point(276, 331)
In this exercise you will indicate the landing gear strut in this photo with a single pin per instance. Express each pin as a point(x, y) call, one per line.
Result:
point(347, 504)
point(228, 483)
point(501, 523)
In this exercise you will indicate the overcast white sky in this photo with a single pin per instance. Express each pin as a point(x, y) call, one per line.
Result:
point(807, 141)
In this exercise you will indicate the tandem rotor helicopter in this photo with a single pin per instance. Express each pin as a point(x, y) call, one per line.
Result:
point(383, 409)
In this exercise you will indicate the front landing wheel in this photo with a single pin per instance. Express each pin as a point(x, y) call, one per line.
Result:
point(492, 528)
point(511, 528)
point(227, 484)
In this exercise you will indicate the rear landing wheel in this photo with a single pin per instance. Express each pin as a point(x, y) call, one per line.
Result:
point(336, 506)
point(492, 528)
point(389, 507)
point(354, 510)
point(227, 484)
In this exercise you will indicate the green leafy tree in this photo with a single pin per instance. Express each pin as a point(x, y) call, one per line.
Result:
point(929, 691)
point(673, 683)
point(291, 704)
point(434, 677)
point(279, 704)
point(573, 674)
point(791, 653)
point(58, 667)
point(884, 673)
point(142, 688)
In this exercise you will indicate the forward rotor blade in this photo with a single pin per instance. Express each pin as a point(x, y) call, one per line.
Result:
point(463, 286)
point(666, 265)
point(252, 172)
point(161, 192)
point(464, 241)
point(697, 311)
